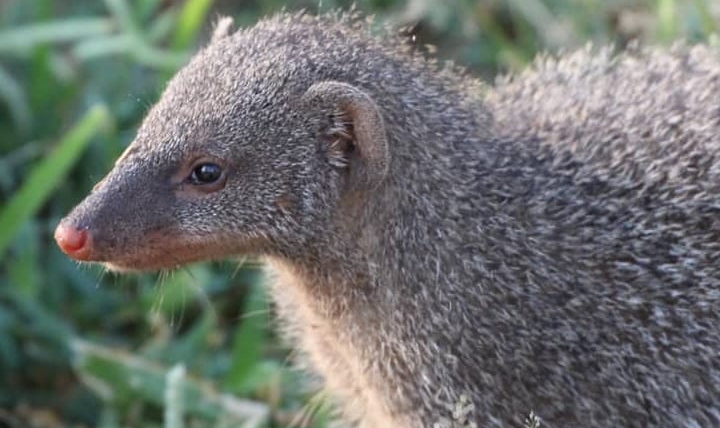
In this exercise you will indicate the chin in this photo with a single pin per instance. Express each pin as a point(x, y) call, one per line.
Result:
point(121, 267)
point(143, 265)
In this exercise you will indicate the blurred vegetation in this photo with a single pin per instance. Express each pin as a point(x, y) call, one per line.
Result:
point(81, 347)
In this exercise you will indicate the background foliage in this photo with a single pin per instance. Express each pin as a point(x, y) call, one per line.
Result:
point(80, 347)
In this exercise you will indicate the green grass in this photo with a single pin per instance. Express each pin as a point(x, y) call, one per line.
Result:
point(53, 168)
point(195, 348)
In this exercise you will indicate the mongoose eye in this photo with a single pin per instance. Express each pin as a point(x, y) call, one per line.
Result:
point(205, 173)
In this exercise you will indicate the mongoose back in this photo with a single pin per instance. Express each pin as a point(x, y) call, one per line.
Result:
point(549, 244)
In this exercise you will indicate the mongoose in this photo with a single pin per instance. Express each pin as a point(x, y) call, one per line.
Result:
point(548, 244)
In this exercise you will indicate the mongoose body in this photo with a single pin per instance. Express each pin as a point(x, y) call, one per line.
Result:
point(549, 244)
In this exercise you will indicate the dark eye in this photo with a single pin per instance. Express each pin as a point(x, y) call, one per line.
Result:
point(205, 173)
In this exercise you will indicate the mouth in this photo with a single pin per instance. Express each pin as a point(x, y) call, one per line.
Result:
point(162, 258)
point(166, 251)
point(155, 252)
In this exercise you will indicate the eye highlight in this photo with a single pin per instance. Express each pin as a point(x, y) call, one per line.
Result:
point(205, 173)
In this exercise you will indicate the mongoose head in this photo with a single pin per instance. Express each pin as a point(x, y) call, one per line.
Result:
point(250, 150)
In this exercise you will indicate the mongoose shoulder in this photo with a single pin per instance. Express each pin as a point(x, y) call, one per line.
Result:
point(549, 244)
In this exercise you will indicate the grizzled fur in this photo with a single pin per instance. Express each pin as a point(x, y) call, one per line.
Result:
point(552, 247)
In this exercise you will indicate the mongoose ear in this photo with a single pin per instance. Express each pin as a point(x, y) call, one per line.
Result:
point(356, 137)
point(223, 28)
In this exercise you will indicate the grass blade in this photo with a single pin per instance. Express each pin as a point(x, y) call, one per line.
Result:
point(174, 397)
point(121, 11)
point(667, 24)
point(23, 39)
point(122, 376)
point(50, 171)
point(250, 337)
point(191, 18)
point(11, 91)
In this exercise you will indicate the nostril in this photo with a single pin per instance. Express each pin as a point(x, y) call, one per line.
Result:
point(74, 242)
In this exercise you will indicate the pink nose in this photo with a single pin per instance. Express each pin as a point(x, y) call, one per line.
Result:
point(73, 242)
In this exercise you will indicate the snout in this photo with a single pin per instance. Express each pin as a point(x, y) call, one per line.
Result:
point(124, 222)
